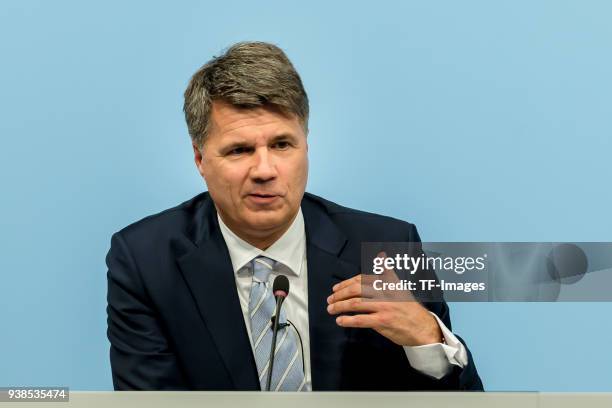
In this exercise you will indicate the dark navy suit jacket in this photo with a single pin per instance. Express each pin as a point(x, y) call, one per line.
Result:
point(175, 322)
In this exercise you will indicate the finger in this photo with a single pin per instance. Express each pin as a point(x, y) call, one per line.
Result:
point(361, 321)
point(347, 282)
point(349, 292)
point(387, 273)
point(354, 305)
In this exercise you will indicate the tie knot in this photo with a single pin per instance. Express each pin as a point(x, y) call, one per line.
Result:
point(262, 268)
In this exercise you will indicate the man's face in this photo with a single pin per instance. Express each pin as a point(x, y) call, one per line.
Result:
point(255, 164)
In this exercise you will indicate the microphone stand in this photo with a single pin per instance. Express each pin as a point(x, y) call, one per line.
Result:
point(279, 303)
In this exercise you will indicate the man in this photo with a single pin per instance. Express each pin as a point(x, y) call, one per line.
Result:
point(189, 289)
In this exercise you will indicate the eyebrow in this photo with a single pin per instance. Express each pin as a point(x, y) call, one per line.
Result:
point(275, 139)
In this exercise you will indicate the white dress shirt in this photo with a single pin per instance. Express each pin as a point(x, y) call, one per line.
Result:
point(435, 360)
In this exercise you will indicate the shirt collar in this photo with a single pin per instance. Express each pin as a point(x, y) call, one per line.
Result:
point(289, 249)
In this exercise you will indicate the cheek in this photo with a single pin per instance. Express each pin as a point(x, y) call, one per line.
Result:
point(295, 175)
point(301, 171)
point(228, 180)
point(305, 168)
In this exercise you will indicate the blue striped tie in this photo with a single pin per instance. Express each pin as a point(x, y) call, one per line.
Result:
point(287, 372)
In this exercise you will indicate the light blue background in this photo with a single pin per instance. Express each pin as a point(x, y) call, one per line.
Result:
point(476, 120)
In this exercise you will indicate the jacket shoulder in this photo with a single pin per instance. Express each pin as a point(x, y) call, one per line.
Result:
point(167, 223)
point(370, 226)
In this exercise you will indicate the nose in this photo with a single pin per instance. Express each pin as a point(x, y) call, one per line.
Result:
point(264, 169)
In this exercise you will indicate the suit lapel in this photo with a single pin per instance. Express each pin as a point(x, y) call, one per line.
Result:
point(208, 272)
point(325, 268)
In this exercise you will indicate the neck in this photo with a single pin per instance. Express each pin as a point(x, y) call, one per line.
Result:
point(262, 243)
point(259, 239)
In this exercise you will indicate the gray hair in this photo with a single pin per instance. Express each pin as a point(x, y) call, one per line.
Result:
point(247, 75)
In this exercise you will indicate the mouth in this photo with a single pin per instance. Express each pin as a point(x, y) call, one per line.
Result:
point(262, 198)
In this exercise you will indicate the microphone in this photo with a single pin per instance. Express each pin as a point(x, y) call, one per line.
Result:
point(280, 289)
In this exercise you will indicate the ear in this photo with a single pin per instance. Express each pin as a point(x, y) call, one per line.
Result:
point(198, 158)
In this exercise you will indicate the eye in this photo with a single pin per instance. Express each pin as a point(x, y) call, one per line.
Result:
point(281, 145)
point(238, 151)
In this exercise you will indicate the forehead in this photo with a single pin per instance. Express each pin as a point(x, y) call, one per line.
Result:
point(229, 120)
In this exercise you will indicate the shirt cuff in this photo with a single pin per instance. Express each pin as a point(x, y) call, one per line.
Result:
point(437, 359)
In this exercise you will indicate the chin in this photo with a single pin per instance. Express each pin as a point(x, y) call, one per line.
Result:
point(267, 220)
